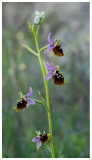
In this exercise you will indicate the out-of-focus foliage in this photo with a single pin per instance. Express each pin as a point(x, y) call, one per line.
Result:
point(69, 103)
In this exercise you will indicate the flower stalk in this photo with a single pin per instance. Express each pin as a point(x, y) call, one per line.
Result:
point(47, 97)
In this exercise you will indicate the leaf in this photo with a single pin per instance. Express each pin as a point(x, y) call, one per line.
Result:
point(30, 49)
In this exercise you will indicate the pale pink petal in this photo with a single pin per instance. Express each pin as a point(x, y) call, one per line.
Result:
point(49, 75)
point(30, 92)
point(39, 143)
point(35, 139)
point(50, 47)
point(49, 40)
point(48, 66)
point(30, 101)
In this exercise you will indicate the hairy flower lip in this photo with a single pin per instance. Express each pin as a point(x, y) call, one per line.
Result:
point(58, 51)
point(58, 80)
point(21, 104)
point(44, 138)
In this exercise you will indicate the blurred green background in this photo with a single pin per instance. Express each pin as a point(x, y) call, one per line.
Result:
point(69, 103)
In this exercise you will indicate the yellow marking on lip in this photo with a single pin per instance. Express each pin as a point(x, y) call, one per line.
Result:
point(57, 68)
point(48, 135)
point(65, 82)
point(15, 109)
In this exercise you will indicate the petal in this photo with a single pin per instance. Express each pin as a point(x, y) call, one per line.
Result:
point(30, 101)
point(35, 139)
point(49, 40)
point(49, 75)
point(54, 41)
point(39, 132)
point(30, 92)
point(48, 66)
point(39, 143)
point(50, 47)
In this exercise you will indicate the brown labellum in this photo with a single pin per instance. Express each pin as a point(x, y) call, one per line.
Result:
point(58, 51)
point(44, 138)
point(58, 78)
point(21, 104)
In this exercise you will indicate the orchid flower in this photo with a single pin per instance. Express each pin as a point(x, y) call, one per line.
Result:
point(25, 101)
point(55, 74)
point(29, 100)
point(56, 48)
point(41, 139)
point(37, 140)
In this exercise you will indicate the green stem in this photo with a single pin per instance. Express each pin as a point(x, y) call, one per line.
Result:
point(37, 30)
point(47, 98)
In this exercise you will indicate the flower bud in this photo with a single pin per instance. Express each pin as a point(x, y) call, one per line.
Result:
point(39, 17)
point(37, 20)
point(42, 14)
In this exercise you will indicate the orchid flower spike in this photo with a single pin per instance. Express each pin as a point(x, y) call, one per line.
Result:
point(40, 139)
point(25, 101)
point(55, 74)
point(53, 46)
